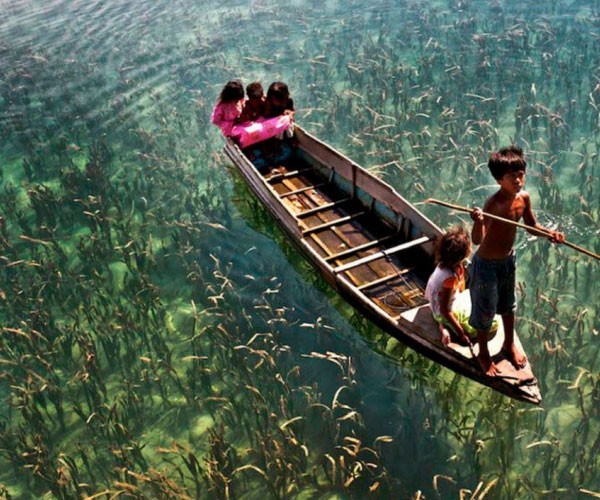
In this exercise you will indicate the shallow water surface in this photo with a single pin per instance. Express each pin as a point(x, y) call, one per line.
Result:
point(161, 338)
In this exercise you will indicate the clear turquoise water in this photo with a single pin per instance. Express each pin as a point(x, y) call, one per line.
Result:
point(154, 317)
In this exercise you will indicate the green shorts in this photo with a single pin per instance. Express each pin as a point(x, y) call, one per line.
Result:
point(463, 320)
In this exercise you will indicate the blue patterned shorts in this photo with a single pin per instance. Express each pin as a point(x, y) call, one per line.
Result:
point(492, 289)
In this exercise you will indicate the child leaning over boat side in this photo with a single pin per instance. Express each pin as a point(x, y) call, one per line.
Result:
point(279, 102)
point(493, 269)
point(228, 109)
point(448, 278)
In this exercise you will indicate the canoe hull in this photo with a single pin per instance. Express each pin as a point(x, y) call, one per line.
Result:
point(341, 241)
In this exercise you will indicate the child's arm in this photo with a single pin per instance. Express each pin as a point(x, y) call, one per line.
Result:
point(245, 115)
point(478, 230)
point(216, 117)
point(289, 109)
point(238, 119)
point(445, 295)
point(530, 219)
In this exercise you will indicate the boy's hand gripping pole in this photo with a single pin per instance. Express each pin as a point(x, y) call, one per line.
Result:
point(541, 232)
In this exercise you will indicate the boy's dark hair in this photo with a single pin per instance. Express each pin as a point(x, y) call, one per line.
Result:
point(278, 90)
point(509, 159)
point(254, 90)
point(233, 91)
point(452, 247)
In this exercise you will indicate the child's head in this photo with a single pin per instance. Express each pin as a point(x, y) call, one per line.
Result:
point(232, 91)
point(278, 93)
point(453, 247)
point(509, 159)
point(255, 90)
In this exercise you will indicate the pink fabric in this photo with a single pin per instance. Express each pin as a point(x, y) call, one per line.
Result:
point(225, 114)
point(249, 133)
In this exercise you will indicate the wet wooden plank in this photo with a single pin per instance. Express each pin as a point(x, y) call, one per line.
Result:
point(347, 234)
point(319, 245)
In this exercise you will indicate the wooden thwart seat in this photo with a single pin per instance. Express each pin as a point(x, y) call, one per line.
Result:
point(383, 253)
point(359, 248)
point(302, 190)
point(320, 208)
point(332, 223)
point(286, 175)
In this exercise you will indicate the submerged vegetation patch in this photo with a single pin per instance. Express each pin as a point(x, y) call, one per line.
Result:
point(153, 345)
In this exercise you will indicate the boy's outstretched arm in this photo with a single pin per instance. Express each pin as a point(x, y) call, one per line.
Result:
point(530, 219)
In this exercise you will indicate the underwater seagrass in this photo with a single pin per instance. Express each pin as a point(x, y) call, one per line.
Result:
point(155, 345)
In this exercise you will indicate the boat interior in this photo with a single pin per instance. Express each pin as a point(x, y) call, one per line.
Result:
point(382, 254)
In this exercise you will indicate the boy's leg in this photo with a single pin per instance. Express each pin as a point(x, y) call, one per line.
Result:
point(514, 355)
point(484, 296)
point(484, 358)
point(507, 307)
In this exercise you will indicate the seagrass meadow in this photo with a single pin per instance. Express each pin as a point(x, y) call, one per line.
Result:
point(159, 336)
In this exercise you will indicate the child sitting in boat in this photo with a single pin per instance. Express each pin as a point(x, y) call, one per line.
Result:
point(264, 118)
point(229, 107)
point(250, 122)
point(448, 278)
point(254, 107)
point(279, 103)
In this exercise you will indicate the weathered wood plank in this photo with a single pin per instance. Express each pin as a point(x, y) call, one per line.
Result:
point(321, 208)
point(302, 189)
point(332, 223)
point(364, 246)
point(384, 253)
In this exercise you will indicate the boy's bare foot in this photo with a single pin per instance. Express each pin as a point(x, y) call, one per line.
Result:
point(515, 356)
point(487, 365)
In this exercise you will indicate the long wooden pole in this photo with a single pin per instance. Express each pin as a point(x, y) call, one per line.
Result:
point(542, 232)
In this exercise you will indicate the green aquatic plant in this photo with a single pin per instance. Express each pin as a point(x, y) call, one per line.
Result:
point(116, 217)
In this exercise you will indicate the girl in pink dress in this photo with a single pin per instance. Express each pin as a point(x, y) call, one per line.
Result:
point(229, 107)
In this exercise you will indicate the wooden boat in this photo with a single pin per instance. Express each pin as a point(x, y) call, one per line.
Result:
point(371, 245)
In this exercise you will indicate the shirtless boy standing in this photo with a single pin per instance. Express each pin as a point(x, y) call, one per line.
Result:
point(492, 284)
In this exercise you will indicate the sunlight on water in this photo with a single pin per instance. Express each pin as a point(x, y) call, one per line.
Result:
point(161, 338)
